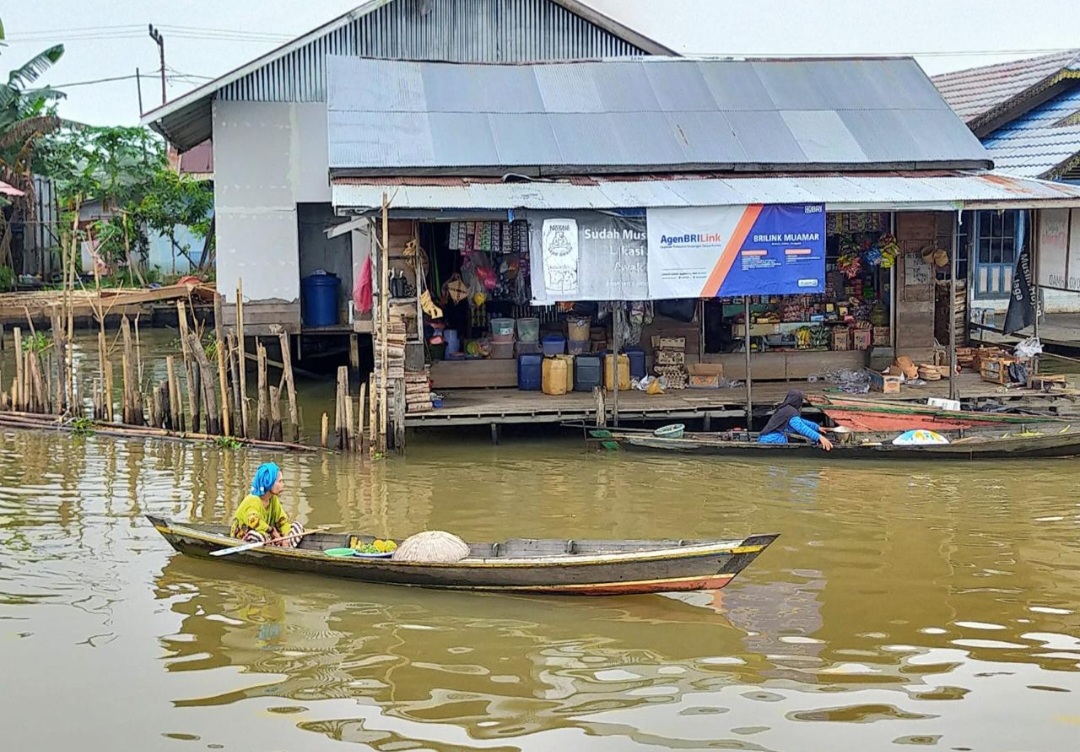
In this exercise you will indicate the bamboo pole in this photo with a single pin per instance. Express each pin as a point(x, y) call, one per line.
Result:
point(262, 415)
point(226, 418)
point(189, 367)
point(109, 408)
point(325, 429)
point(58, 348)
point(234, 368)
point(18, 397)
point(133, 409)
point(69, 289)
point(360, 425)
point(276, 433)
point(341, 425)
point(373, 418)
point(242, 344)
point(350, 440)
point(176, 413)
point(138, 355)
point(384, 315)
point(1, 338)
point(213, 426)
point(290, 381)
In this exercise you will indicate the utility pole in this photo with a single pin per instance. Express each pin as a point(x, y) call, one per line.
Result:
point(160, 41)
point(138, 86)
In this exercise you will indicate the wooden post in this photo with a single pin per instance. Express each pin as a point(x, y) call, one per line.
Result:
point(360, 425)
point(164, 403)
point(157, 409)
point(234, 368)
point(290, 381)
point(138, 353)
point(110, 410)
point(133, 407)
point(749, 378)
point(952, 306)
point(399, 417)
point(350, 442)
point(373, 417)
point(1, 338)
point(213, 426)
point(263, 414)
point(616, 325)
point(222, 377)
point(176, 413)
point(19, 395)
point(341, 420)
point(325, 429)
point(58, 350)
point(384, 316)
point(242, 344)
point(275, 415)
point(601, 407)
point(189, 367)
point(126, 413)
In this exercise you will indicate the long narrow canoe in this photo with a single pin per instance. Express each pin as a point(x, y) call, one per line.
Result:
point(974, 448)
point(870, 415)
point(565, 567)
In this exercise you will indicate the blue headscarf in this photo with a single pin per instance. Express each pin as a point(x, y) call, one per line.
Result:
point(265, 478)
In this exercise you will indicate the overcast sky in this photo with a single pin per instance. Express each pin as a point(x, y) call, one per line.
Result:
point(206, 38)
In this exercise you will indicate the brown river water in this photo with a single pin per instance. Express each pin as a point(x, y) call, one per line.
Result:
point(902, 605)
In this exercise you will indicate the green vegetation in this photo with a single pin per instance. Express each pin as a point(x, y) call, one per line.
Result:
point(82, 427)
point(227, 442)
point(38, 342)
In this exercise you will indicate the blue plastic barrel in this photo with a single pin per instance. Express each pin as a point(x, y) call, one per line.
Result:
point(319, 299)
point(530, 372)
point(637, 362)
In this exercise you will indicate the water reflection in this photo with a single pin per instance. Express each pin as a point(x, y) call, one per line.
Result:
point(934, 607)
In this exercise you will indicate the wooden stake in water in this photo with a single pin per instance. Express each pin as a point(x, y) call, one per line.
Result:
point(290, 382)
point(234, 369)
point(176, 413)
point(18, 396)
point(213, 424)
point(276, 433)
point(263, 411)
point(226, 418)
point(133, 408)
point(58, 353)
point(242, 345)
point(325, 429)
point(189, 367)
point(360, 427)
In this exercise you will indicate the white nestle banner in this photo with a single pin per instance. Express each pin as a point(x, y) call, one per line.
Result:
point(1059, 249)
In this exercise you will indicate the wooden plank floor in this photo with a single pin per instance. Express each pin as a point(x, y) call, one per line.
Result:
point(508, 406)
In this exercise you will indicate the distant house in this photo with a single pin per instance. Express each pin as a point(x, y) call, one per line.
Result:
point(1027, 115)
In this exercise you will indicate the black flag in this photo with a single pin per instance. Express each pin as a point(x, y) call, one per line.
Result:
point(1021, 313)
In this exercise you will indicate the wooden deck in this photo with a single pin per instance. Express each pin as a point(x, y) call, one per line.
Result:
point(477, 407)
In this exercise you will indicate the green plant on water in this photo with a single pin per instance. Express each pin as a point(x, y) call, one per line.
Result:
point(38, 342)
point(7, 279)
point(82, 427)
point(227, 442)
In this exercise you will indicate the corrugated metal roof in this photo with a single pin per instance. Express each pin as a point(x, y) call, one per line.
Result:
point(461, 30)
point(978, 92)
point(1037, 144)
point(840, 192)
point(564, 118)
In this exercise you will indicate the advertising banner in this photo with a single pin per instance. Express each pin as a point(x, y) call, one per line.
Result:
point(732, 251)
point(587, 256)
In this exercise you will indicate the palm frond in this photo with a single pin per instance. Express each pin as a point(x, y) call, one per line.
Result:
point(33, 69)
point(23, 131)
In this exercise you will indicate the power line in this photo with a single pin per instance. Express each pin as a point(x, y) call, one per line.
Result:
point(183, 77)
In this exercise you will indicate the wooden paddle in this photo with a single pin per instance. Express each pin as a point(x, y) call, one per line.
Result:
point(251, 546)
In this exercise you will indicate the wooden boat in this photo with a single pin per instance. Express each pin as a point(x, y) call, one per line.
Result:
point(1027, 446)
point(868, 415)
point(565, 567)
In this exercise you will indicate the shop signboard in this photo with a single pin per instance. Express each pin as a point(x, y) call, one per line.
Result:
point(587, 256)
point(732, 251)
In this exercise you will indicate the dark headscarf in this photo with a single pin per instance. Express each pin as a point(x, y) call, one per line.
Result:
point(787, 410)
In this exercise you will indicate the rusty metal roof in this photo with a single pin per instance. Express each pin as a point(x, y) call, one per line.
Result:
point(667, 114)
point(896, 191)
point(977, 93)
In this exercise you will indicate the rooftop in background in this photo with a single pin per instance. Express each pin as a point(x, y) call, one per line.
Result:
point(395, 29)
point(196, 163)
point(978, 94)
point(640, 115)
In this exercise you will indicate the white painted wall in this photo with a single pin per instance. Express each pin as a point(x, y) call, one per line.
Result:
point(268, 157)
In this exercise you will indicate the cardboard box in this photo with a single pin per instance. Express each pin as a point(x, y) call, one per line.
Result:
point(669, 343)
point(841, 338)
point(882, 336)
point(670, 358)
point(705, 375)
point(860, 339)
point(879, 382)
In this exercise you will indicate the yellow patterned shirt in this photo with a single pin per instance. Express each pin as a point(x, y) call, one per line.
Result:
point(252, 514)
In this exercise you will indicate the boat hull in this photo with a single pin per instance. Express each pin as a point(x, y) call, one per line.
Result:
point(526, 566)
point(979, 448)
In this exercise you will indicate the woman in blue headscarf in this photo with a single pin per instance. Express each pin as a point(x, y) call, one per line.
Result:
point(260, 518)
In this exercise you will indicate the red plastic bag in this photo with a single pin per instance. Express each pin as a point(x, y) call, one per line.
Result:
point(362, 293)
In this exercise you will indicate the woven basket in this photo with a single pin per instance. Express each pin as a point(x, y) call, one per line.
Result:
point(432, 547)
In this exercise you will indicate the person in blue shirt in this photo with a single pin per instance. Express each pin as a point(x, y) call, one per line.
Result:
point(786, 420)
